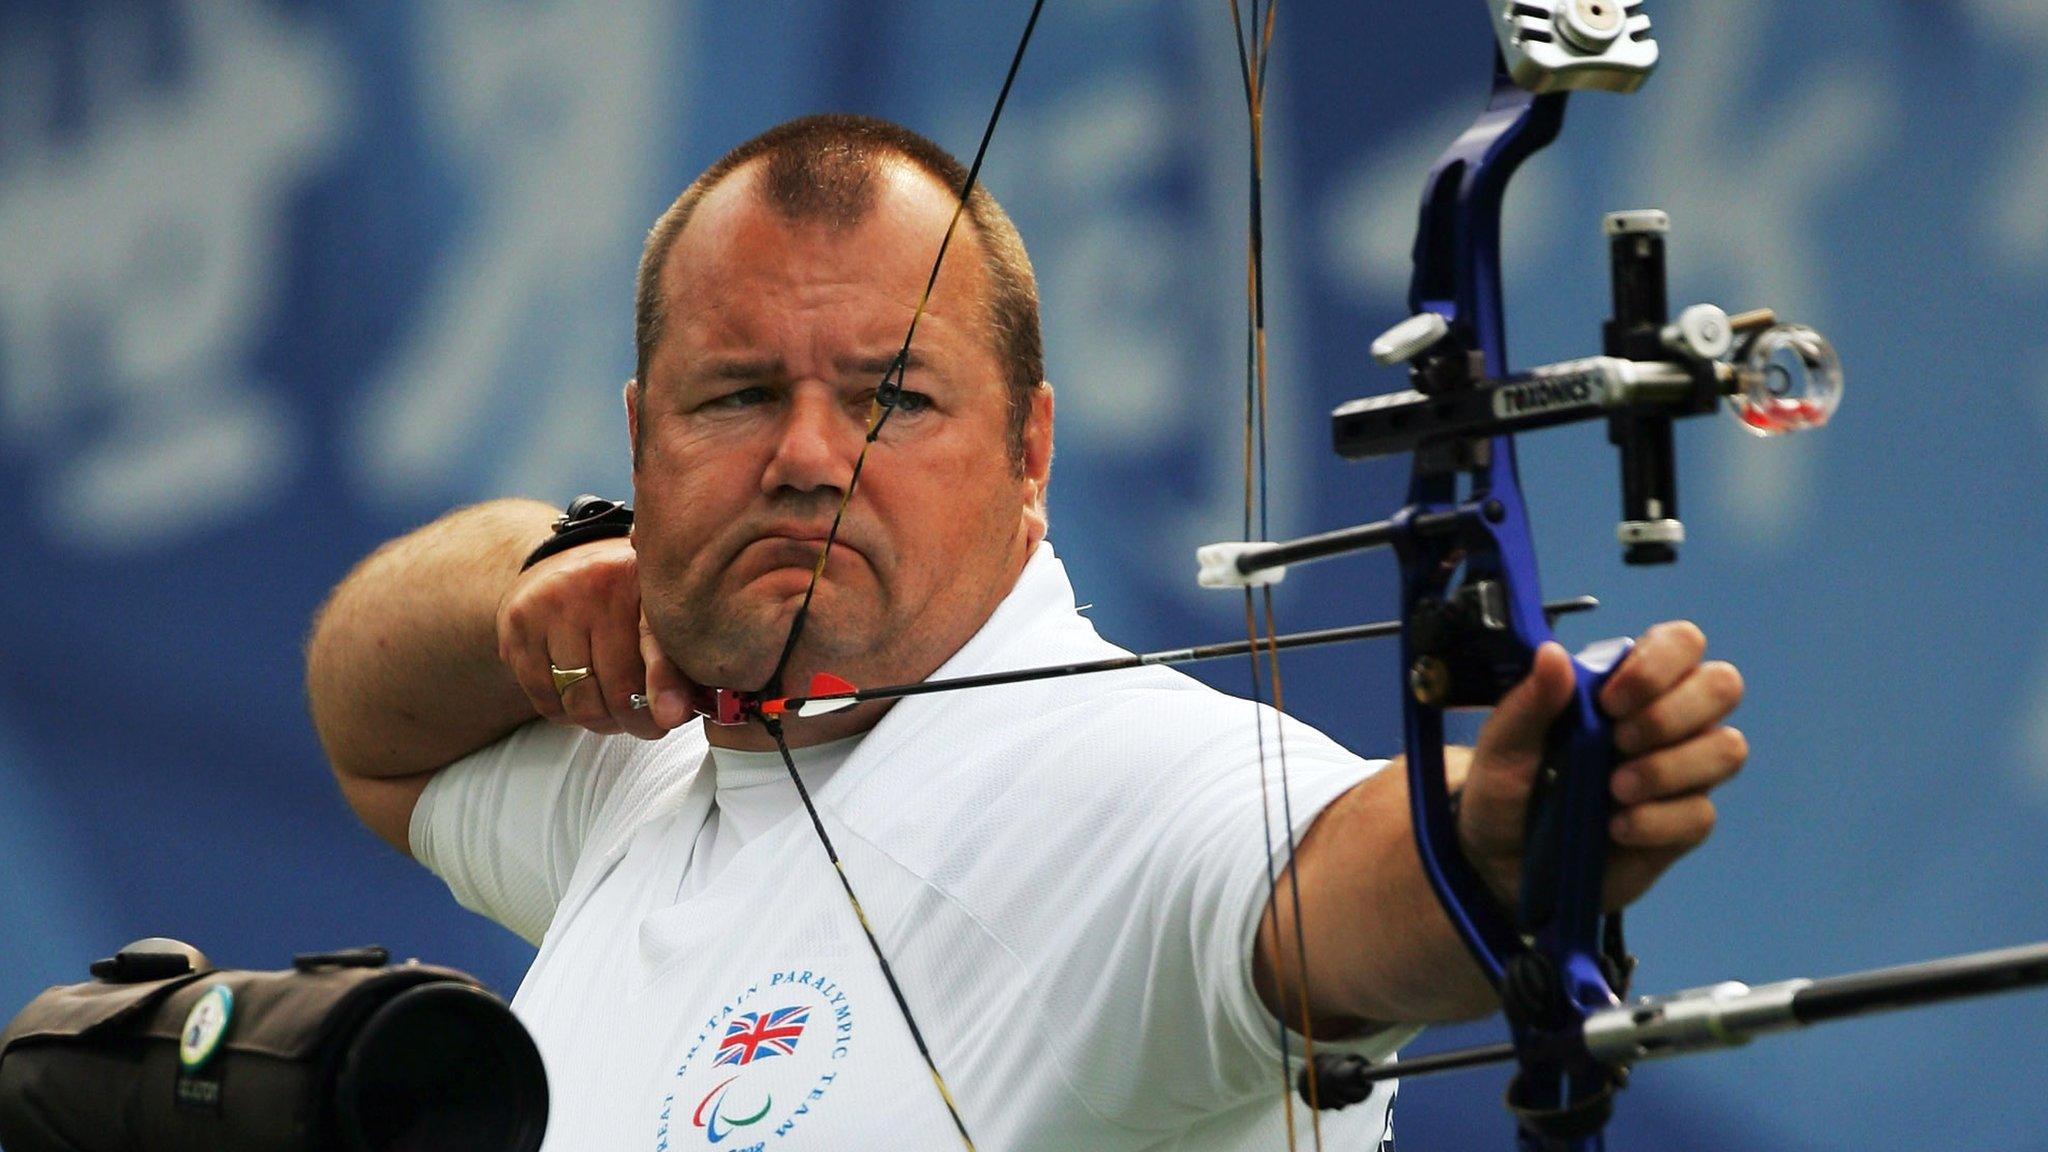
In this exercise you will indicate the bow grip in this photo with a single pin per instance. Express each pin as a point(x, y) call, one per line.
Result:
point(1564, 858)
point(1563, 1096)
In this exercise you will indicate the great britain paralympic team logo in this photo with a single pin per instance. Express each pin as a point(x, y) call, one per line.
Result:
point(759, 1066)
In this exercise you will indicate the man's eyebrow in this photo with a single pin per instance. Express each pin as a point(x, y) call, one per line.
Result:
point(756, 368)
point(876, 363)
point(742, 368)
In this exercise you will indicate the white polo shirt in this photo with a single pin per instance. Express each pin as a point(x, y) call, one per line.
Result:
point(1065, 876)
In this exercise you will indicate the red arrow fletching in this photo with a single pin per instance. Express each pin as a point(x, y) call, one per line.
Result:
point(826, 684)
point(828, 693)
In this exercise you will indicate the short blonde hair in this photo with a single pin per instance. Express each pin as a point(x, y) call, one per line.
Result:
point(822, 168)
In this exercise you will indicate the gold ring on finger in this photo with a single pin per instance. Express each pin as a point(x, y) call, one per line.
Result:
point(564, 677)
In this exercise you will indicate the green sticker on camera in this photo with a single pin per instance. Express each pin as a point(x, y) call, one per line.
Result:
point(205, 1027)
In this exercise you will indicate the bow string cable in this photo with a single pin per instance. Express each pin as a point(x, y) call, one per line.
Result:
point(887, 391)
point(1254, 38)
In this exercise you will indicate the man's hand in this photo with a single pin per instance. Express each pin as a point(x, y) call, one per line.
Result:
point(1667, 706)
point(581, 609)
point(1382, 948)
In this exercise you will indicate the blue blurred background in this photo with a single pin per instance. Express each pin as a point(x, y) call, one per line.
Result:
point(280, 280)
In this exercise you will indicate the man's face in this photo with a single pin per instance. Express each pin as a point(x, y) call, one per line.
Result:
point(755, 408)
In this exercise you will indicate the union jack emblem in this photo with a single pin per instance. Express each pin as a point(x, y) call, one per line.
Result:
point(758, 1035)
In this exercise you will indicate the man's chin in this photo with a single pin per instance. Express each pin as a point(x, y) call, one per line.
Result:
point(744, 658)
point(735, 642)
point(785, 583)
point(728, 651)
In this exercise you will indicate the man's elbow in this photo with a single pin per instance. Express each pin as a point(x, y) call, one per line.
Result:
point(382, 801)
point(385, 805)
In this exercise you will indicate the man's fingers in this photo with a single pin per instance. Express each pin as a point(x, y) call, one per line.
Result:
point(583, 700)
point(1519, 722)
point(584, 703)
point(527, 656)
point(1706, 761)
point(667, 690)
point(1665, 810)
point(1666, 654)
point(524, 646)
point(1700, 700)
point(576, 610)
point(615, 652)
point(1675, 826)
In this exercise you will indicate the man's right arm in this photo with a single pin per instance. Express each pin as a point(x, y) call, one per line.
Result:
point(403, 673)
point(438, 645)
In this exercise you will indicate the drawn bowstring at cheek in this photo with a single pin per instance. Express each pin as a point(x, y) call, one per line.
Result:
point(888, 391)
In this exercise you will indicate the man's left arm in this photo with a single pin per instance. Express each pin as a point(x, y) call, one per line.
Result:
point(1380, 946)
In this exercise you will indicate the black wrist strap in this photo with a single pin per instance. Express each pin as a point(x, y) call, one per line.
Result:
point(587, 518)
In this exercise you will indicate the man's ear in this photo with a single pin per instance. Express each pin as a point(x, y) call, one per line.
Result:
point(1037, 460)
point(633, 418)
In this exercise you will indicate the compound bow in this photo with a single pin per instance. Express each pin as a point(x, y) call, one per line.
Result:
point(1472, 615)
point(1470, 599)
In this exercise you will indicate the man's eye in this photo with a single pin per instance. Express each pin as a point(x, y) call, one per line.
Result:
point(908, 401)
point(742, 398)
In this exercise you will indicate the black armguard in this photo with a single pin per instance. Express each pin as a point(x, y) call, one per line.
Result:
point(587, 518)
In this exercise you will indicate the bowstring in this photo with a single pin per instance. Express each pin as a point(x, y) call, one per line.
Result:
point(888, 390)
point(1254, 45)
point(895, 989)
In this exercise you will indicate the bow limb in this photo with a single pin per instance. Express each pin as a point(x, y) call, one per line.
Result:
point(1546, 958)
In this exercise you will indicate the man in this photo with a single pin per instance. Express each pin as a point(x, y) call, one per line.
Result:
point(1067, 879)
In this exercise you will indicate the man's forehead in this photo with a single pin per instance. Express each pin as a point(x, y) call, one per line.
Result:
point(903, 197)
point(739, 250)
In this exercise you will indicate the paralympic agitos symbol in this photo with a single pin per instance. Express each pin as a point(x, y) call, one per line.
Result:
point(717, 1127)
point(1472, 614)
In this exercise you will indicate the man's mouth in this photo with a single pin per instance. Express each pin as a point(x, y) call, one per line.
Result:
point(798, 532)
point(795, 546)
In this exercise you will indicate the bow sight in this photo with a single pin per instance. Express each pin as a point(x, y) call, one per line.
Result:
point(1774, 378)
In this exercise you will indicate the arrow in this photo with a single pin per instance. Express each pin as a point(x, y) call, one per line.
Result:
point(828, 693)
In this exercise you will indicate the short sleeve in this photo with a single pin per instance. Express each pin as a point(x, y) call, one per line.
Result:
point(1214, 896)
point(1113, 852)
point(1225, 950)
point(505, 825)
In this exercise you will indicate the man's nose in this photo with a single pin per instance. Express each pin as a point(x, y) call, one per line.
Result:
point(819, 442)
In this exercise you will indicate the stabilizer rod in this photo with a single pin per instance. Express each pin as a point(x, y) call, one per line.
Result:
point(1727, 1015)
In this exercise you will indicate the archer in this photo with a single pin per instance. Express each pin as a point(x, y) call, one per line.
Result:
point(1073, 916)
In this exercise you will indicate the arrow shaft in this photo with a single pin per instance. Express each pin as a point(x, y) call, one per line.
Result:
point(1218, 651)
